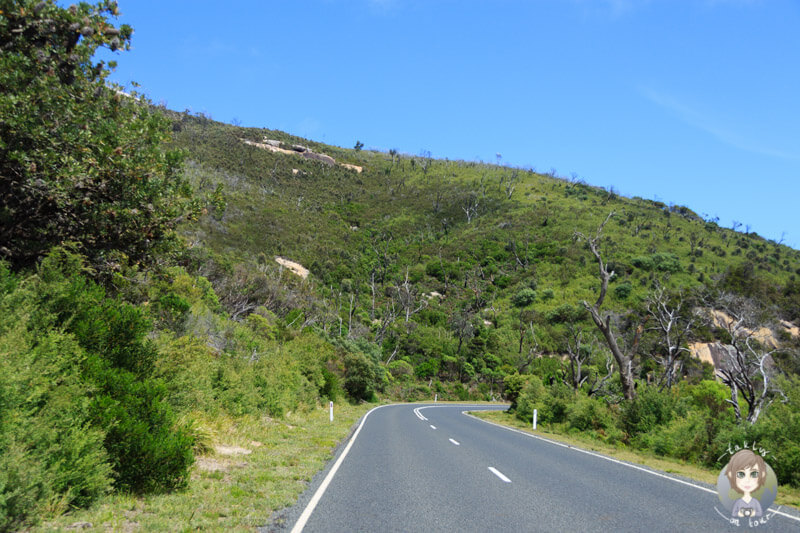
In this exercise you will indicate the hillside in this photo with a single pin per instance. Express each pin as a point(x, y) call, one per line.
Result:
point(476, 234)
point(174, 288)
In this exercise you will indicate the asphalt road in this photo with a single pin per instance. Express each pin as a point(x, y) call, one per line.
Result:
point(412, 468)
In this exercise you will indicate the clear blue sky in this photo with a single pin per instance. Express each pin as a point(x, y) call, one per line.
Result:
point(692, 102)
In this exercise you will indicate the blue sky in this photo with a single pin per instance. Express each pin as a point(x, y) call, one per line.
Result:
point(692, 102)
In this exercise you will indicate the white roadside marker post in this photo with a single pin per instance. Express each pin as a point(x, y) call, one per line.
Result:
point(435, 398)
point(331, 407)
point(535, 413)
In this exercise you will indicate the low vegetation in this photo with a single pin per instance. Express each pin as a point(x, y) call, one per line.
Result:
point(148, 325)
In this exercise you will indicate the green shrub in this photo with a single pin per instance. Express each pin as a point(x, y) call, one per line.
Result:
point(400, 369)
point(512, 386)
point(566, 313)
point(648, 410)
point(643, 262)
point(49, 451)
point(524, 297)
point(102, 175)
point(531, 396)
point(149, 450)
point(587, 414)
point(666, 262)
point(359, 377)
point(623, 290)
point(557, 402)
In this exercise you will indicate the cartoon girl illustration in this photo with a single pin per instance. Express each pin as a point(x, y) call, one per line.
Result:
point(746, 472)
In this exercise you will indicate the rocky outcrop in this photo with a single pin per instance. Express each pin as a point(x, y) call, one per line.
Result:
point(298, 149)
point(296, 268)
point(322, 158)
point(351, 167)
point(713, 353)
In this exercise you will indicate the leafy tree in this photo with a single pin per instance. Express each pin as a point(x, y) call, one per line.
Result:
point(80, 160)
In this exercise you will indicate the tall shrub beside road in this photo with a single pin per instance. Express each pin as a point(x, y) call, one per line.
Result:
point(80, 161)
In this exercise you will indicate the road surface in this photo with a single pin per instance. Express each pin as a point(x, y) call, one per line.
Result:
point(427, 468)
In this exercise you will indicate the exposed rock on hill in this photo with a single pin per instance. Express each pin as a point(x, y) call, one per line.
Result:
point(297, 149)
point(296, 268)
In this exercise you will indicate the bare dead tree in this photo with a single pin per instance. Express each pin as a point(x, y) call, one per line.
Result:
point(673, 322)
point(350, 312)
point(461, 324)
point(602, 320)
point(372, 289)
point(407, 297)
point(747, 368)
point(388, 317)
point(526, 317)
point(579, 352)
point(510, 183)
point(470, 206)
point(534, 351)
point(520, 260)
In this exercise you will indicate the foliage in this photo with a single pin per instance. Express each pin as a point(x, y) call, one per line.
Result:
point(80, 160)
point(525, 297)
point(85, 413)
point(651, 408)
point(359, 377)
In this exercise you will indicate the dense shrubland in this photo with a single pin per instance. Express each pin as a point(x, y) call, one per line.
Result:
point(141, 299)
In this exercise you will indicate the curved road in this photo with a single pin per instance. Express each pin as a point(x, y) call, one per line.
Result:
point(427, 468)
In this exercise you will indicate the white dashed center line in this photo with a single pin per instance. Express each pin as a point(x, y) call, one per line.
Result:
point(455, 442)
point(433, 427)
point(499, 474)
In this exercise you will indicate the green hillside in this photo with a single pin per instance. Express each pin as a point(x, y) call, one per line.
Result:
point(482, 236)
point(148, 321)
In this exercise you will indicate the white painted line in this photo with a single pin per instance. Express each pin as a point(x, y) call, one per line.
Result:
point(499, 474)
point(419, 415)
point(301, 522)
point(455, 442)
point(623, 463)
point(433, 427)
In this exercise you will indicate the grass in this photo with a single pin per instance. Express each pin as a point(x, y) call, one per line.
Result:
point(787, 496)
point(254, 467)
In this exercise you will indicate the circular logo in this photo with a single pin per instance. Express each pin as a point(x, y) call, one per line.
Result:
point(747, 485)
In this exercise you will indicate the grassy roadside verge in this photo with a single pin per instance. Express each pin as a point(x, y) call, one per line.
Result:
point(787, 496)
point(251, 468)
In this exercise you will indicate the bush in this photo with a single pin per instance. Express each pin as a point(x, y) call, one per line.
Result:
point(95, 409)
point(566, 313)
point(512, 386)
point(49, 451)
point(359, 377)
point(149, 450)
point(531, 396)
point(648, 410)
point(524, 297)
point(623, 290)
point(588, 414)
point(401, 370)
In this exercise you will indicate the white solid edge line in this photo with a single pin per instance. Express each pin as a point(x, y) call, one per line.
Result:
point(601, 456)
point(301, 522)
point(499, 474)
